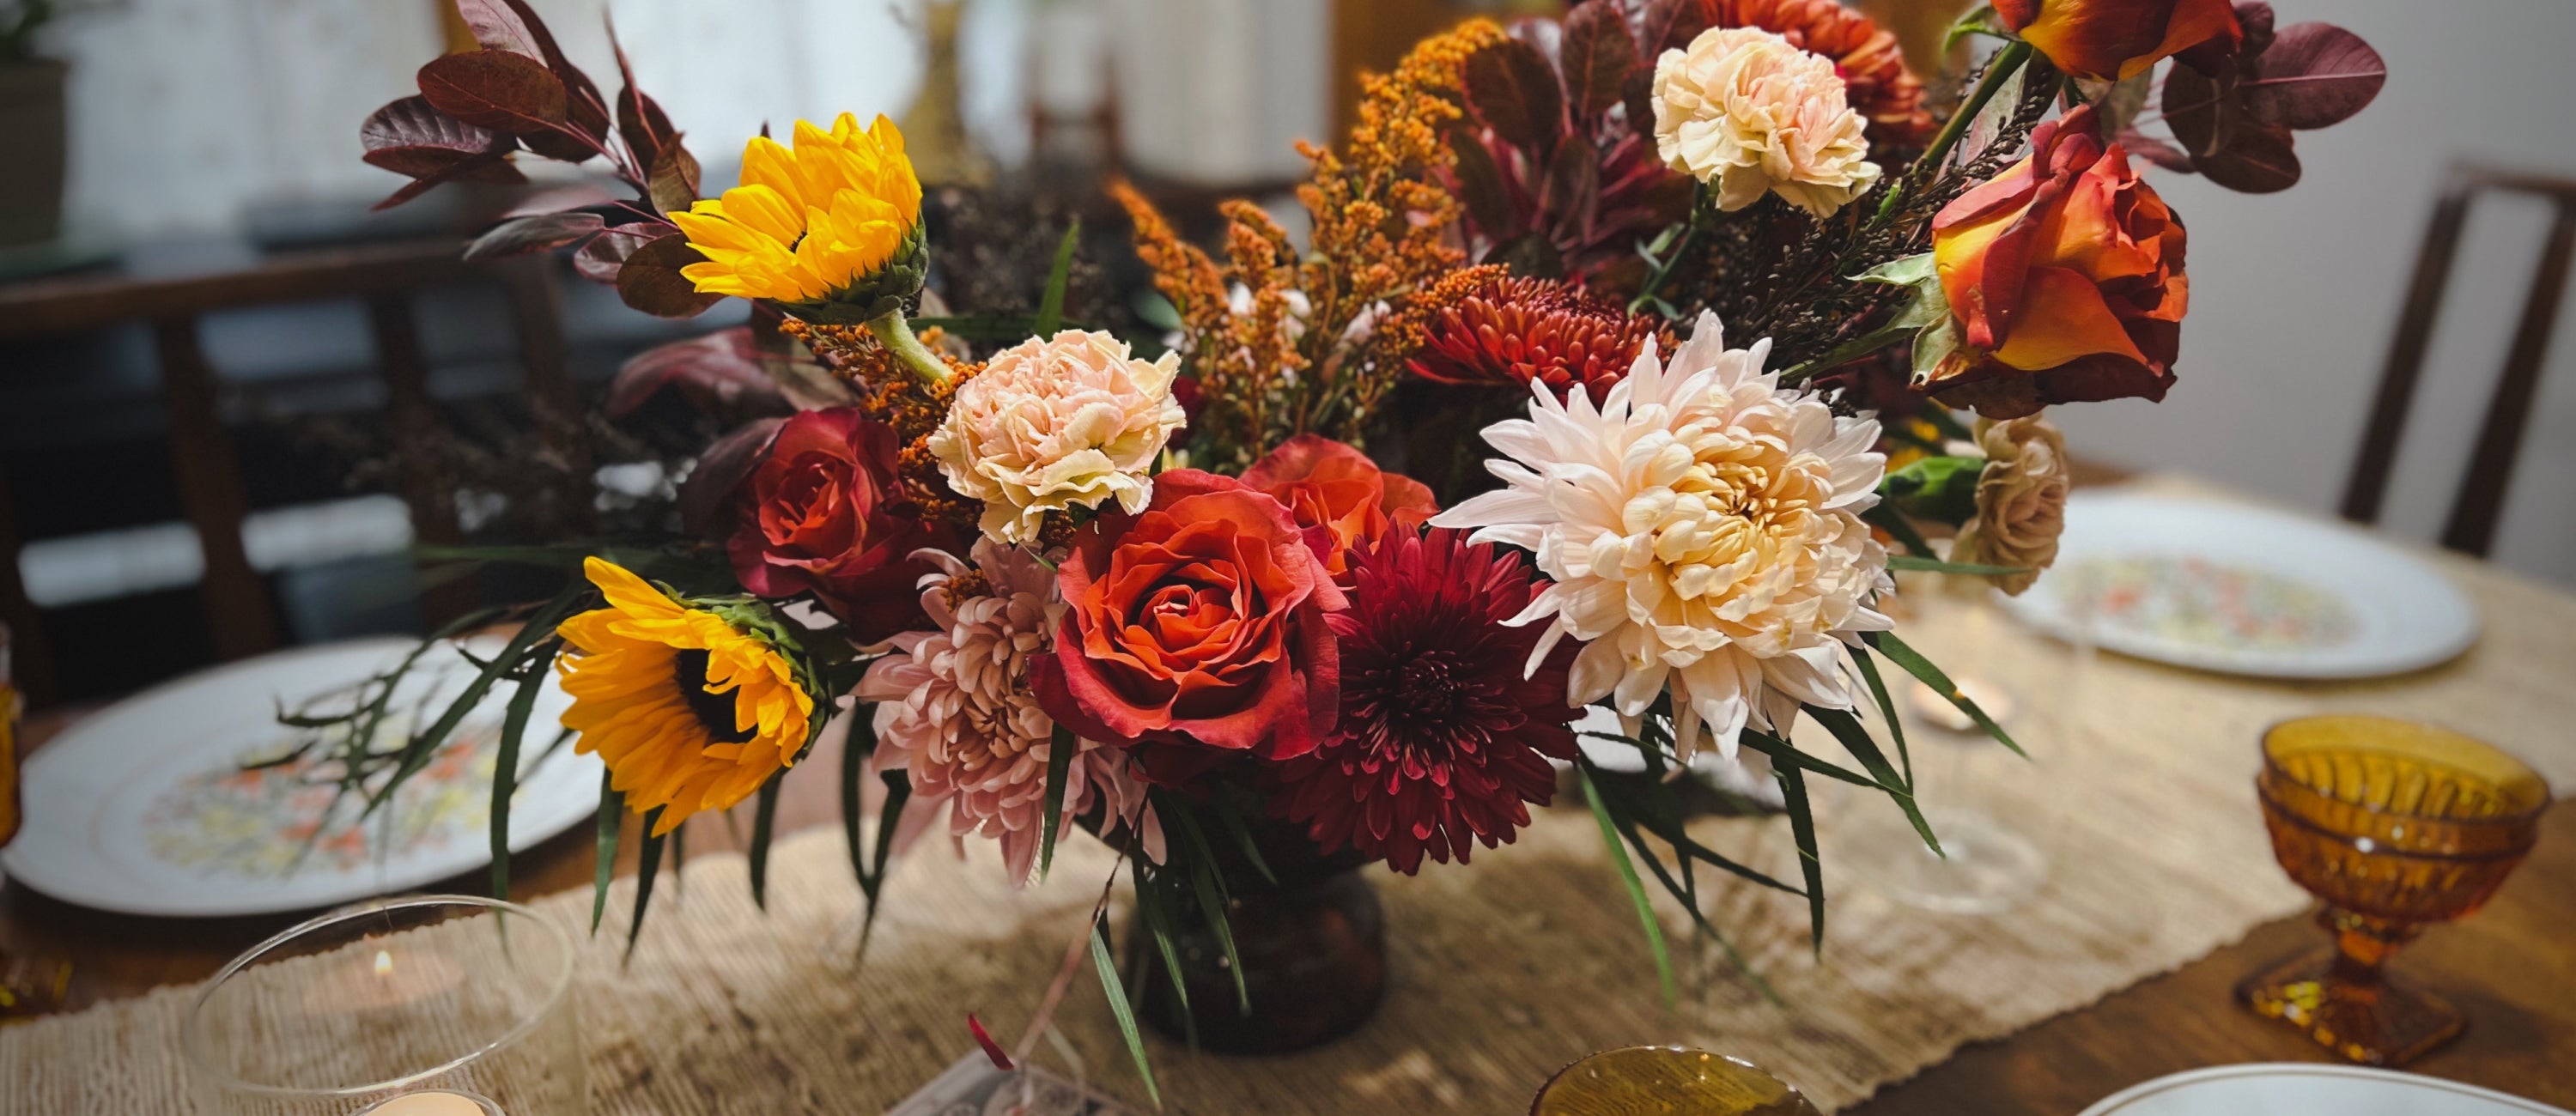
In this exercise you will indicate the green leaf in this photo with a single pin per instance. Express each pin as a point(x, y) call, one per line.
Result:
point(1802, 830)
point(1785, 755)
point(1868, 668)
point(612, 819)
point(1051, 304)
point(1242, 834)
point(1690, 902)
point(1855, 739)
point(1667, 827)
point(1118, 1007)
point(1886, 518)
point(764, 820)
point(889, 818)
point(1151, 903)
point(1941, 489)
point(855, 751)
point(1209, 886)
point(1964, 569)
point(1931, 347)
point(417, 752)
point(1636, 888)
point(1905, 271)
point(505, 768)
point(1155, 310)
point(1060, 750)
point(647, 865)
point(1922, 669)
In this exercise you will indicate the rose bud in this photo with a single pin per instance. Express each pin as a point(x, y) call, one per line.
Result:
point(2108, 40)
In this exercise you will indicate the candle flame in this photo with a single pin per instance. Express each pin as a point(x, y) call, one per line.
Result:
point(384, 963)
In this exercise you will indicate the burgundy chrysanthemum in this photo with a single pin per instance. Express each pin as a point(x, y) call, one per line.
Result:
point(1441, 741)
point(1514, 330)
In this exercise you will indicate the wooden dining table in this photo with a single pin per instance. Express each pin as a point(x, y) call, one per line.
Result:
point(2512, 967)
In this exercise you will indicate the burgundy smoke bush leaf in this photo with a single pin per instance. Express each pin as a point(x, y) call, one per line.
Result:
point(513, 26)
point(651, 280)
point(2256, 160)
point(411, 136)
point(498, 27)
point(1573, 187)
point(1638, 94)
point(674, 181)
point(495, 89)
point(535, 233)
point(706, 497)
point(1546, 36)
point(492, 167)
point(1595, 58)
point(1515, 93)
point(2254, 18)
point(640, 121)
point(2315, 75)
point(1662, 25)
point(2201, 110)
point(600, 260)
point(1480, 180)
point(719, 373)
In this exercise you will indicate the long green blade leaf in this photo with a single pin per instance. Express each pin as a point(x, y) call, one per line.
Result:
point(1802, 830)
point(612, 819)
point(1118, 1007)
point(1051, 304)
point(764, 819)
point(1060, 750)
point(1922, 669)
point(1242, 834)
point(1690, 903)
point(417, 752)
point(1671, 831)
point(1209, 886)
point(1868, 668)
point(1855, 739)
point(1902, 529)
point(1151, 904)
point(505, 765)
point(648, 864)
point(1785, 754)
point(854, 765)
point(1636, 887)
point(889, 818)
point(1935, 565)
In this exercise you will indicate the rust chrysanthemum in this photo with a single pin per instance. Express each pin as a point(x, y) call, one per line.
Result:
point(1444, 732)
point(1514, 330)
point(1875, 79)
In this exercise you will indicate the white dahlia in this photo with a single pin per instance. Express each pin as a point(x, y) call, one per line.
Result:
point(954, 711)
point(1702, 527)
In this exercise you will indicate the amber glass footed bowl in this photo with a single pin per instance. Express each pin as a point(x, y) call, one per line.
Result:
point(2394, 825)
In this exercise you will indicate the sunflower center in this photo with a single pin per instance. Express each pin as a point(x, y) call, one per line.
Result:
point(714, 711)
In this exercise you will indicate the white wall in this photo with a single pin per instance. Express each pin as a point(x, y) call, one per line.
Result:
point(2294, 295)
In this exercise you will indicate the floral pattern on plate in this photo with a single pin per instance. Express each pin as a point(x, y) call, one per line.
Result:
point(272, 812)
point(2210, 603)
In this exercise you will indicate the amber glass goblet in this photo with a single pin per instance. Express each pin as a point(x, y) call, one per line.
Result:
point(2394, 825)
point(1660, 1080)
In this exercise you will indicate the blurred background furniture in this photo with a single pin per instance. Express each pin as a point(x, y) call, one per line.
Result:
point(2471, 524)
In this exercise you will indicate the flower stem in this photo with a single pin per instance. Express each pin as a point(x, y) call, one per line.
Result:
point(896, 334)
point(2007, 61)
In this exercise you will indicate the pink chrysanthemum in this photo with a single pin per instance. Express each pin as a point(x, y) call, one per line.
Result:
point(954, 711)
point(1443, 736)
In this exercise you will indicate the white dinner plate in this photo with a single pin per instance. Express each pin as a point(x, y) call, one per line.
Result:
point(2301, 1089)
point(146, 807)
point(2243, 590)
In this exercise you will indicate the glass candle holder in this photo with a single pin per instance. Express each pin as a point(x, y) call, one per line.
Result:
point(439, 1005)
point(2396, 826)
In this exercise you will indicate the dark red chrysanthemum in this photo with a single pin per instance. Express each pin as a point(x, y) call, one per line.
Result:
point(1514, 330)
point(1441, 741)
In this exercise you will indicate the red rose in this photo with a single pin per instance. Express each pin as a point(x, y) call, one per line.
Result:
point(2108, 40)
point(825, 512)
point(1195, 630)
point(1331, 487)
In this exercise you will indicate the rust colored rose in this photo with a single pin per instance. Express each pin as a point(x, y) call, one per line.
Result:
point(1340, 496)
point(2108, 40)
point(2065, 277)
point(825, 513)
point(1195, 630)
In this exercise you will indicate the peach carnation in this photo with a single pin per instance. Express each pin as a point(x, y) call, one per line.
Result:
point(2021, 500)
point(955, 714)
point(1055, 423)
point(1702, 527)
point(1746, 112)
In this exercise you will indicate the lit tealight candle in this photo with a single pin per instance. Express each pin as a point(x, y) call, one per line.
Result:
point(436, 1102)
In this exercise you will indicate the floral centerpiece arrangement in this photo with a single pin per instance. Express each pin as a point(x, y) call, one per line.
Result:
point(1618, 369)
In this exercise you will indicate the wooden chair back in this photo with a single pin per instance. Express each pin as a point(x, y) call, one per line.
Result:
point(2471, 527)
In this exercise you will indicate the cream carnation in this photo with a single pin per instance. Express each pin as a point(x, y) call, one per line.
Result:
point(2021, 500)
point(1050, 424)
point(1744, 111)
point(955, 714)
point(1702, 527)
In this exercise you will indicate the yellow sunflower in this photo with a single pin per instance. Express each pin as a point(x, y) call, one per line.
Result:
point(836, 219)
point(688, 712)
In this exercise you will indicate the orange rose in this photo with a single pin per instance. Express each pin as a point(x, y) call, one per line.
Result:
point(2108, 40)
point(1194, 631)
point(1335, 489)
point(2064, 274)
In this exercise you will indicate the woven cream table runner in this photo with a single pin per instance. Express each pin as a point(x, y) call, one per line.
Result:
point(1506, 970)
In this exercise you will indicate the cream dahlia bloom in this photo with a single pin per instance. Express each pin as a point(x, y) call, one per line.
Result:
point(954, 711)
point(1744, 111)
point(2021, 500)
point(1049, 424)
point(1702, 527)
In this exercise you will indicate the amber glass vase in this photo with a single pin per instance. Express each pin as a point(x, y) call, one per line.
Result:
point(2395, 826)
point(1313, 942)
